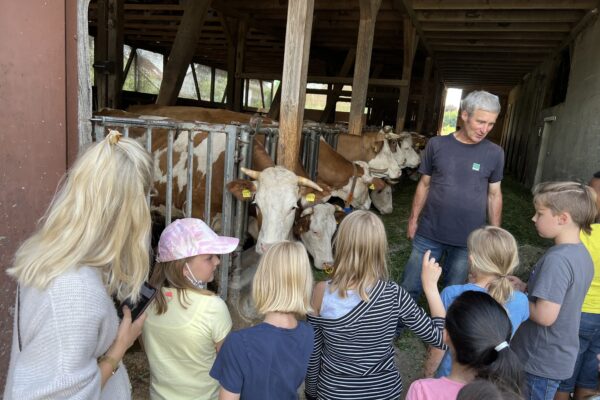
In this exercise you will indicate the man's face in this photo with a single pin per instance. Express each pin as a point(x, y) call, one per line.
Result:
point(478, 125)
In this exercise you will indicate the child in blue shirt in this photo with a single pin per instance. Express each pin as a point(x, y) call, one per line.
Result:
point(269, 360)
point(493, 256)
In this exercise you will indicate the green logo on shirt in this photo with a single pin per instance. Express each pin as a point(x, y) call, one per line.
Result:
point(476, 167)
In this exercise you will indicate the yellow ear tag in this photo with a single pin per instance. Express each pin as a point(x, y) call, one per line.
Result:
point(310, 197)
point(246, 194)
point(372, 186)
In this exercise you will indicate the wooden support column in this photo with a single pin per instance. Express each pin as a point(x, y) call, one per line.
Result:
point(230, 27)
point(240, 54)
point(108, 53)
point(334, 95)
point(364, 47)
point(275, 102)
point(424, 94)
point(293, 81)
point(182, 51)
point(212, 84)
point(410, 46)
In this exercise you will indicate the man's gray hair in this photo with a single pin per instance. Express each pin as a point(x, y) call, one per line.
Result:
point(480, 100)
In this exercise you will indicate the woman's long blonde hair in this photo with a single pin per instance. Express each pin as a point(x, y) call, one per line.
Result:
point(361, 249)
point(493, 252)
point(283, 281)
point(99, 217)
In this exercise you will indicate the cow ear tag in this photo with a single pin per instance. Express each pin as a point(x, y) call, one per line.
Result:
point(372, 186)
point(246, 194)
point(310, 197)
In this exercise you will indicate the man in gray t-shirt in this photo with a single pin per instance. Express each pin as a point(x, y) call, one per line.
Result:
point(459, 187)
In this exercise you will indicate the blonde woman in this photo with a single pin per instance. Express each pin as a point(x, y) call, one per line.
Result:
point(357, 313)
point(269, 360)
point(493, 257)
point(188, 323)
point(93, 243)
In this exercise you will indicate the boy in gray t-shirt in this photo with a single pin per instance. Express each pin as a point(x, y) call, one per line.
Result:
point(548, 342)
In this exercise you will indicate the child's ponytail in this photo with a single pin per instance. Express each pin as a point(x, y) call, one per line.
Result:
point(480, 332)
point(493, 252)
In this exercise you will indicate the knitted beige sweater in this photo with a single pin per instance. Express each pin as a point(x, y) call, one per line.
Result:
point(64, 329)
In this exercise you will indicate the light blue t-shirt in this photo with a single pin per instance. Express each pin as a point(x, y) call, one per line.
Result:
point(517, 308)
point(333, 306)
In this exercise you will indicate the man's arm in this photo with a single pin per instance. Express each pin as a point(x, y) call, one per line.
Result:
point(417, 205)
point(495, 204)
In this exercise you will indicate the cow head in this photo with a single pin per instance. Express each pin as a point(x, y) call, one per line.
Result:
point(382, 199)
point(315, 227)
point(384, 164)
point(407, 156)
point(276, 192)
point(360, 195)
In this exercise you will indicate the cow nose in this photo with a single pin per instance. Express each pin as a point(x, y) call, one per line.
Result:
point(264, 247)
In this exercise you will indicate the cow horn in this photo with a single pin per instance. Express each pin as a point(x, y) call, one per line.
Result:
point(307, 182)
point(251, 173)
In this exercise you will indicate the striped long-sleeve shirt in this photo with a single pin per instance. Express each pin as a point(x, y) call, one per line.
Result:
point(353, 356)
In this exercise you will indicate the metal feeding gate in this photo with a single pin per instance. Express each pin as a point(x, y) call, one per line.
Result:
point(237, 155)
point(311, 134)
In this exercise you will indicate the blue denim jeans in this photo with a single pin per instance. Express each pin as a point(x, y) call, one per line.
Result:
point(454, 267)
point(539, 388)
point(585, 374)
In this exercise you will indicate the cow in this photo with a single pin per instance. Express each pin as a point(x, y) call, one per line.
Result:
point(382, 199)
point(372, 148)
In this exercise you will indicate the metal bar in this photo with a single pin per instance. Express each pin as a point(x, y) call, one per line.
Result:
point(241, 206)
point(227, 226)
point(190, 175)
point(169, 194)
point(126, 130)
point(208, 187)
point(98, 131)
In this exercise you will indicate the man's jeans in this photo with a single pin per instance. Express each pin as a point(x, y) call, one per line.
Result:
point(454, 268)
point(539, 388)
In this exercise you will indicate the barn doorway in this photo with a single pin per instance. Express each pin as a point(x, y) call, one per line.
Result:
point(451, 108)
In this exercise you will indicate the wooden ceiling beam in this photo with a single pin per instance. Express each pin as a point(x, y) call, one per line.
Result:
point(458, 49)
point(503, 5)
point(498, 27)
point(530, 36)
point(527, 16)
point(493, 43)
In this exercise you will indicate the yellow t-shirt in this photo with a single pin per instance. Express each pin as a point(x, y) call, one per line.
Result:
point(591, 303)
point(180, 345)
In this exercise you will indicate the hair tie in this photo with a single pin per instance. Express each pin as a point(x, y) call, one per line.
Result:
point(114, 136)
point(501, 346)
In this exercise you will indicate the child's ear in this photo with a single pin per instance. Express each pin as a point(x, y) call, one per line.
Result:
point(564, 218)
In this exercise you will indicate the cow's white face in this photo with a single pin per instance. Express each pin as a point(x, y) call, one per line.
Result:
point(360, 198)
point(276, 197)
point(384, 160)
point(410, 156)
point(382, 200)
point(317, 239)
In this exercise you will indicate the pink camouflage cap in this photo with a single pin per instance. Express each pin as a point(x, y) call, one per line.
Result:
point(189, 237)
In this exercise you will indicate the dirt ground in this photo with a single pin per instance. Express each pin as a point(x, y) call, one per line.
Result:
point(410, 351)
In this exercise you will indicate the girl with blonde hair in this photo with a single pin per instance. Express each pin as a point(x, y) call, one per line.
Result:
point(188, 323)
point(493, 257)
point(92, 243)
point(357, 312)
point(269, 360)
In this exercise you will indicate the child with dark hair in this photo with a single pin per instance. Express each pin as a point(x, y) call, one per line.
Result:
point(478, 333)
point(484, 389)
point(548, 342)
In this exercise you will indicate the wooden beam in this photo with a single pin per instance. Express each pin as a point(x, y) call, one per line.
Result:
point(487, 27)
point(326, 79)
point(336, 90)
point(275, 102)
point(410, 47)
point(212, 84)
point(196, 81)
point(364, 47)
point(230, 27)
point(527, 16)
point(503, 5)
point(240, 51)
point(182, 51)
point(101, 55)
point(425, 92)
point(132, 56)
point(262, 93)
point(295, 68)
point(115, 51)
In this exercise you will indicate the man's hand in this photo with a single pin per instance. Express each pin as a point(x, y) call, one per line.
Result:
point(411, 230)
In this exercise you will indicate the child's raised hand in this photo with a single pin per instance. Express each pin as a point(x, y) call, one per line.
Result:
point(430, 271)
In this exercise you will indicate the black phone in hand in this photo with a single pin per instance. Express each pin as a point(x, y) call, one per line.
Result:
point(147, 294)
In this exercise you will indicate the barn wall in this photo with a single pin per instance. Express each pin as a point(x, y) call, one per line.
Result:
point(33, 111)
point(574, 138)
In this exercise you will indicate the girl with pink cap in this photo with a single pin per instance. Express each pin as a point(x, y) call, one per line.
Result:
point(187, 323)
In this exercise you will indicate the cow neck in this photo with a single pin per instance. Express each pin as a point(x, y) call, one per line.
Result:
point(351, 193)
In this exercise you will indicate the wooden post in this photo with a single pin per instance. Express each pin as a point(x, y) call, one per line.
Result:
point(275, 102)
point(182, 51)
point(336, 90)
point(240, 53)
point(293, 80)
point(212, 84)
point(193, 67)
point(262, 93)
point(424, 94)
point(410, 46)
point(101, 54)
point(132, 56)
point(364, 47)
point(230, 27)
point(246, 93)
point(116, 17)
